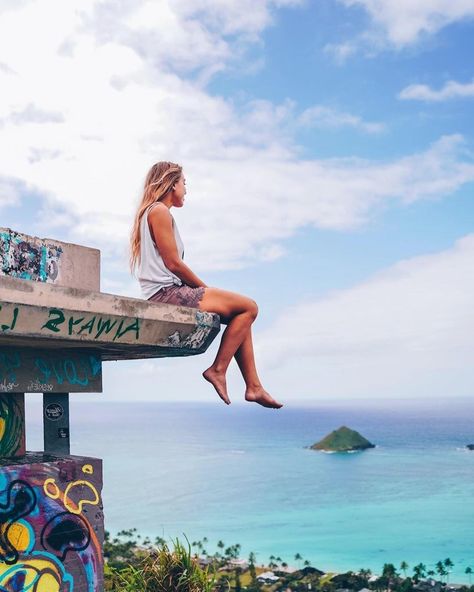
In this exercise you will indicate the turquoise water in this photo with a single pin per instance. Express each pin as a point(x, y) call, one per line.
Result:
point(243, 475)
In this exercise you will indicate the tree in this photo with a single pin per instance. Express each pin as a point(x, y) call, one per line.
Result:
point(254, 583)
point(238, 585)
point(448, 564)
point(298, 558)
point(404, 566)
point(440, 568)
point(419, 571)
point(389, 573)
point(468, 571)
point(389, 570)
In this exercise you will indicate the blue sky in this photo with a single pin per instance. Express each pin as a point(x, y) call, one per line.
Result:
point(328, 148)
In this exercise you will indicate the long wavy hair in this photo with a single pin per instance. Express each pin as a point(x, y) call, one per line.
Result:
point(158, 183)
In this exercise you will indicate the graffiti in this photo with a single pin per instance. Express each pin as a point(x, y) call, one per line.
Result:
point(12, 427)
point(195, 339)
point(68, 370)
point(94, 325)
point(44, 546)
point(65, 532)
point(55, 321)
point(73, 507)
point(23, 371)
point(7, 387)
point(11, 322)
point(21, 500)
point(27, 258)
point(10, 361)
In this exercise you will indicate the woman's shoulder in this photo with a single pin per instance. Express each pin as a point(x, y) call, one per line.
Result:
point(159, 211)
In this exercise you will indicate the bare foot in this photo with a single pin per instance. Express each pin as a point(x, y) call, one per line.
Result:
point(217, 379)
point(261, 397)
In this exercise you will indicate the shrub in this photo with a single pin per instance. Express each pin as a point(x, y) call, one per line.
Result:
point(162, 570)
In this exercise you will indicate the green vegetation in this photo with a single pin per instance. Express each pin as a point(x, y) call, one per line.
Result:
point(343, 440)
point(135, 565)
point(159, 568)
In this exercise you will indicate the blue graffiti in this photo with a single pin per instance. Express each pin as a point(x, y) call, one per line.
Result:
point(64, 370)
point(28, 259)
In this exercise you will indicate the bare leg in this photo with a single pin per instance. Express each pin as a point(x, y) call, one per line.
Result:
point(240, 312)
point(233, 336)
point(254, 392)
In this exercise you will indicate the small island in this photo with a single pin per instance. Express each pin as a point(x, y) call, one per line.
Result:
point(470, 446)
point(342, 440)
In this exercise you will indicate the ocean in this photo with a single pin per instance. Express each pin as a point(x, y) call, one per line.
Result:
point(244, 475)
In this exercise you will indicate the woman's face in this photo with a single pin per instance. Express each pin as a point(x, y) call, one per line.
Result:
point(179, 192)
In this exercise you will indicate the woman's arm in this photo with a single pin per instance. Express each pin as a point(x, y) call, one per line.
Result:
point(161, 227)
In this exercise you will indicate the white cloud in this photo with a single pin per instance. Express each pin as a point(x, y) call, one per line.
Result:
point(403, 23)
point(321, 116)
point(340, 51)
point(10, 192)
point(407, 331)
point(451, 90)
point(103, 105)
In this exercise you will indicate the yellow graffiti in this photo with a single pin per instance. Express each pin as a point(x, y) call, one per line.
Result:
point(2, 427)
point(40, 573)
point(57, 491)
point(18, 535)
point(71, 506)
point(88, 469)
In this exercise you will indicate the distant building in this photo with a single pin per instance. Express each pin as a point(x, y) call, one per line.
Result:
point(242, 563)
point(267, 577)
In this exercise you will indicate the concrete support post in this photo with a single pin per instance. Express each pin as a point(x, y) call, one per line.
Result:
point(56, 423)
point(12, 425)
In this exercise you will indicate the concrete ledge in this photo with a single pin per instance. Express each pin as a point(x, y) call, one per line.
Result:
point(40, 315)
point(48, 261)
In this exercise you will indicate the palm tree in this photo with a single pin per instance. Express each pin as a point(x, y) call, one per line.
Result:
point(307, 563)
point(404, 566)
point(441, 569)
point(468, 571)
point(419, 571)
point(448, 564)
point(389, 570)
point(298, 558)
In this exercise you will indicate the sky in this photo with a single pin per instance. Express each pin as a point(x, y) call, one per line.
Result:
point(328, 151)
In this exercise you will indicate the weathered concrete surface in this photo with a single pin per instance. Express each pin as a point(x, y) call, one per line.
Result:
point(40, 315)
point(51, 524)
point(34, 370)
point(48, 261)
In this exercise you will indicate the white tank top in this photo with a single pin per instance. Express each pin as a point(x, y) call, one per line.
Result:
point(152, 272)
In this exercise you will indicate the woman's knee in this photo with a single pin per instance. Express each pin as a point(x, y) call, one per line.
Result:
point(253, 308)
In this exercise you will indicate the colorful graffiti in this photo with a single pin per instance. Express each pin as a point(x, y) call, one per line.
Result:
point(12, 425)
point(28, 258)
point(51, 526)
point(36, 371)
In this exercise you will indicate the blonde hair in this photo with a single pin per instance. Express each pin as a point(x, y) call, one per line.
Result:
point(158, 183)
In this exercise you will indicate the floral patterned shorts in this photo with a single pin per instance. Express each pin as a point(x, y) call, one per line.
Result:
point(179, 295)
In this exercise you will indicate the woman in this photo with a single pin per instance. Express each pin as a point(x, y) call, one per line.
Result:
point(157, 253)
